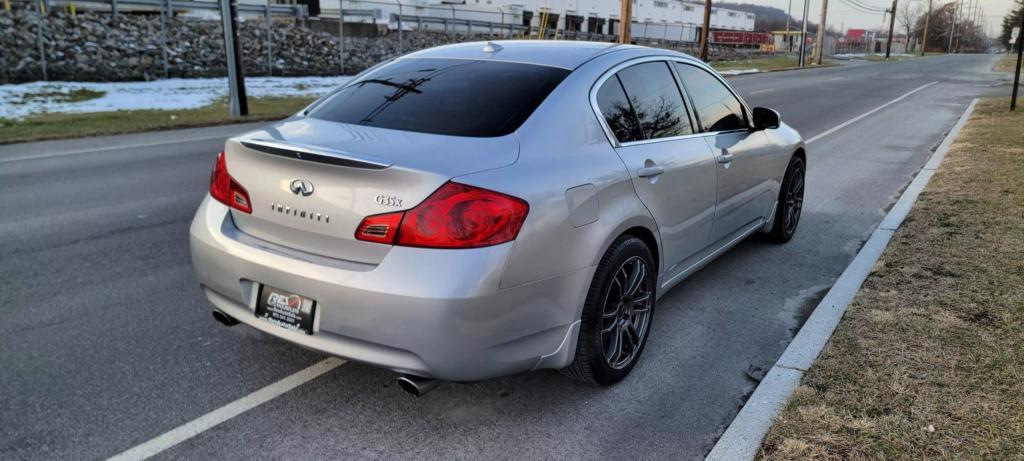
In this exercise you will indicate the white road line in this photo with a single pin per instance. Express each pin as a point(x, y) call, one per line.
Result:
point(763, 91)
point(108, 148)
point(229, 411)
point(861, 116)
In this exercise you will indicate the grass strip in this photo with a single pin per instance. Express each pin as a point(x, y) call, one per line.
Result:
point(58, 126)
point(928, 362)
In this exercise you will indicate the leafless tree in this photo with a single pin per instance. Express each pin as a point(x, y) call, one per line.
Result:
point(907, 14)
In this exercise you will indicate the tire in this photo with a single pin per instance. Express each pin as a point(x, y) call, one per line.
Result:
point(606, 318)
point(791, 201)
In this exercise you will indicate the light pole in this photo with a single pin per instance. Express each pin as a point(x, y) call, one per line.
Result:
point(789, 14)
point(952, 28)
point(803, 35)
point(1020, 54)
point(236, 79)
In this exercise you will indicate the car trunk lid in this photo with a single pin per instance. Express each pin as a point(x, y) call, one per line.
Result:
point(311, 182)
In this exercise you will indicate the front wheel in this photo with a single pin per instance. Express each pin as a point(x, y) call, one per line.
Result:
point(791, 203)
point(617, 314)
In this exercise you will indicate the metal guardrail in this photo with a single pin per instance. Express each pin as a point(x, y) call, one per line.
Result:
point(114, 6)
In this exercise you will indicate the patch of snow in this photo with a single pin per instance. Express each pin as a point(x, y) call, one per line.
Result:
point(23, 100)
point(739, 71)
point(843, 56)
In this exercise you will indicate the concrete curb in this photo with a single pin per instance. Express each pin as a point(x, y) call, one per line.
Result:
point(743, 437)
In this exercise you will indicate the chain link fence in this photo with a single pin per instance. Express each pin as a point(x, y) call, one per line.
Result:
point(125, 40)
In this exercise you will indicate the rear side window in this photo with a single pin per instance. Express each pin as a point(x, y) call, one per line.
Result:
point(656, 100)
point(444, 96)
point(643, 102)
point(716, 106)
point(617, 111)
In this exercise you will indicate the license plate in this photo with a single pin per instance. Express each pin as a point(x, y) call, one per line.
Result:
point(285, 309)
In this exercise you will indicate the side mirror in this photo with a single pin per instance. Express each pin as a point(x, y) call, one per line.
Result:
point(765, 118)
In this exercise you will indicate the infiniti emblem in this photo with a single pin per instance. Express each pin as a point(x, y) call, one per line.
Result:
point(301, 187)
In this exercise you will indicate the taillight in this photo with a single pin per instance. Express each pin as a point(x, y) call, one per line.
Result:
point(379, 228)
point(226, 190)
point(454, 216)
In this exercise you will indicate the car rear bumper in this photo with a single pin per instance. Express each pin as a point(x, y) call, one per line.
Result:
point(427, 312)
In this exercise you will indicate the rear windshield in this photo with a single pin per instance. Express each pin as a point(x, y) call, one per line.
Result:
point(444, 96)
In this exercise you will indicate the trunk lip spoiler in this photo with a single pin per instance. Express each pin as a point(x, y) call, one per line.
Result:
point(314, 154)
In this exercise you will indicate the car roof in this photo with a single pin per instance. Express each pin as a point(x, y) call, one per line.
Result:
point(565, 54)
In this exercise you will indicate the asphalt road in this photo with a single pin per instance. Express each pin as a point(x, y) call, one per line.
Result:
point(106, 341)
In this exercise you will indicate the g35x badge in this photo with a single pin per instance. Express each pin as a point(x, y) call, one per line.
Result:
point(388, 200)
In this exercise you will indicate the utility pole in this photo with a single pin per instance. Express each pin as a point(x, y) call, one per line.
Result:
point(341, 34)
point(705, 32)
point(236, 79)
point(626, 22)
point(952, 28)
point(819, 47)
point(1020, 54)
point(924, 40)
point(789, 38)
point(958, 21)
point(892, 24)
point(803, 35)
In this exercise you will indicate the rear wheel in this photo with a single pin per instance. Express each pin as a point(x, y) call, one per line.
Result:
point(791, 203)
point(617, 314)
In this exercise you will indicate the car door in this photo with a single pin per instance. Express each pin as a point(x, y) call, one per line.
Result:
point(672, 168)
point(744, 156)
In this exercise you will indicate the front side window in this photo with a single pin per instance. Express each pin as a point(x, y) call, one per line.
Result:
point(656, 100)
point(444, 96)
point(716, 106)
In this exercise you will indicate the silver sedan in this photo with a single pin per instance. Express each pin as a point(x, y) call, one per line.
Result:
point(481, 209)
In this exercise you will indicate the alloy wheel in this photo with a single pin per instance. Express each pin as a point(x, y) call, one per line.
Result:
point(627, 313)
point(794, 200)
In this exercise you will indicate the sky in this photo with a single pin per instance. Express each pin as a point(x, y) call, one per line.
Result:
point(840, 13)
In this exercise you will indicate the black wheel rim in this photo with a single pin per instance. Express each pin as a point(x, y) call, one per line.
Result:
point(794, 200)
point(627, 313)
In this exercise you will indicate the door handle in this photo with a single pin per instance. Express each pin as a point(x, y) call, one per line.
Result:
point(726, 157)
point(650, 171)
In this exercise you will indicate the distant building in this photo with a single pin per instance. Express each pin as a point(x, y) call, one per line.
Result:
point(669, 19)
point(857, 36)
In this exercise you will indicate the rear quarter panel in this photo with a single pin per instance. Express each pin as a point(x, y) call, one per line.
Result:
point(562, 146)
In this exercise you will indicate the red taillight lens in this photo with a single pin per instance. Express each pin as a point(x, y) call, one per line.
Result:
point(454, 216)
point(226, 190)
point(379, 228)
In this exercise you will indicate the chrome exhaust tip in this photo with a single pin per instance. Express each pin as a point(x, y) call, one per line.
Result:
point(416, 385)
point(225, 319)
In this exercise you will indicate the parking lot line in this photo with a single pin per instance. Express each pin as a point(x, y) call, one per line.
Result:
point(861, 116)
point(226, 412)
point(762, 91)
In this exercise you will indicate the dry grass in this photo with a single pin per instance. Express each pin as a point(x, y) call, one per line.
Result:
point(928, 362)
point(1007, 64)
point(56, 126)
point(766, 63)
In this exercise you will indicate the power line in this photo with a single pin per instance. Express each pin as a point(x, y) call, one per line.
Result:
point(868, 6)
point(858, 7)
